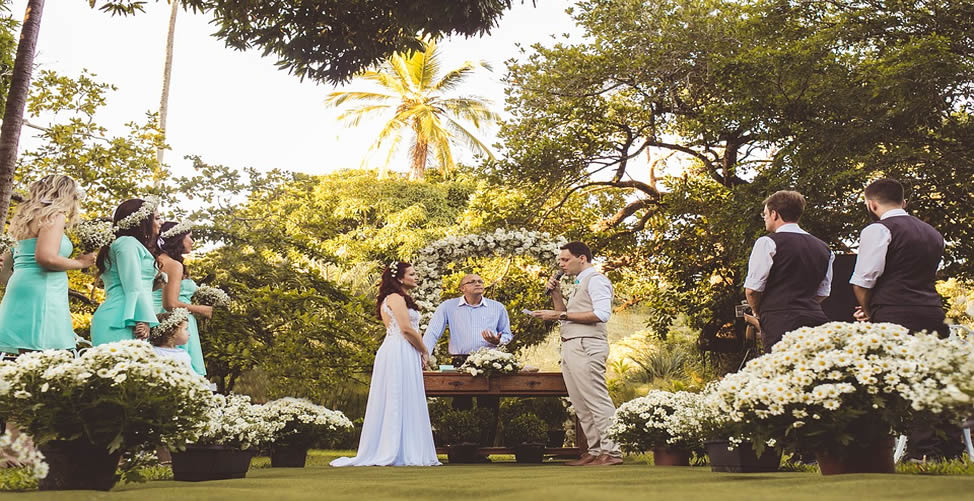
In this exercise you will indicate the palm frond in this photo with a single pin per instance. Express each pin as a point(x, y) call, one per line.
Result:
point(454, 78)
point(339, 97)
point(354, 116)
point(469, 138)
point(424, 66)
point(471, 109)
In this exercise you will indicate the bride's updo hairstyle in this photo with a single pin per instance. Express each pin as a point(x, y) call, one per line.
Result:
point(391, 284)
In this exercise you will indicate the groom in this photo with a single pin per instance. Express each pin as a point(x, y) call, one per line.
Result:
point(584, 349)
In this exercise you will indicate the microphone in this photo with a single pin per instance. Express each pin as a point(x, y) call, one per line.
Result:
point(556, 277)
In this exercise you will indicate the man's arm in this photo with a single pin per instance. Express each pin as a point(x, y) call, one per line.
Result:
point(825, 288)
point(863, 295)
point(504, 326)
point(758, 269)
point(870, 265)
point(754, 300)
point(435, 328)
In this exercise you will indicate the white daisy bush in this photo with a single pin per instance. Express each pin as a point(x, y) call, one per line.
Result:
point(117, 395)
point(821, 388)
point(20, 453)
point(211, 296)
point(487, 362)
point(305, 423)
point(94, 234)
point(431, 260)
point(661, 419)
point(233, 421)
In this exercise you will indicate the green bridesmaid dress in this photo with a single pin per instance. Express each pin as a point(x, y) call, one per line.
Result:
point(34, 314)
point(186, 289)
point(128, 292)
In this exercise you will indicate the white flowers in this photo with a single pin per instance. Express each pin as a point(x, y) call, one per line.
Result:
point(487, 361)
point(431, 259)
point(211, 296)
point(94, 234)
point(7, 242)
point(166, 327)
point(663, 419)
point(235, 422)
point(304, 422)
point(149, 206)
point(20, 452)
point(181, 227)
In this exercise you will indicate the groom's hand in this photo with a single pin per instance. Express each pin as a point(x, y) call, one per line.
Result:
point(490, 337)
point(549, 315)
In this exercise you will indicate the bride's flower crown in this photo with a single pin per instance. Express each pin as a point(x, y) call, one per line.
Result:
point(182, 227)
point(394, 268)
point(176, 317)
point(149, 206)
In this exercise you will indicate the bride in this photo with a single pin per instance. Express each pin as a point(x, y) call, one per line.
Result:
point(397, 428)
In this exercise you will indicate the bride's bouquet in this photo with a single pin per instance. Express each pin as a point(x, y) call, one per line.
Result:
point(486, 362)
point(211, 296)
point(94, 234)
point(7, 242)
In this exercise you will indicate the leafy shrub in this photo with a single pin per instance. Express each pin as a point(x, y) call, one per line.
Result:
point(525, 429)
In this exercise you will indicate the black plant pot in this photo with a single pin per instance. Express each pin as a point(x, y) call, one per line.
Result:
point(77, 464)
point(556, 438)
point(465, 453)
point(216, 462)
point(529, 453)
point(742, 459)
point(289, 456)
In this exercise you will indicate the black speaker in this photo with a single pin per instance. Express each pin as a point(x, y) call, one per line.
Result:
point(841, 303)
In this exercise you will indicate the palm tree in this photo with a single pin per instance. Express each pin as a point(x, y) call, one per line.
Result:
point(414, 97)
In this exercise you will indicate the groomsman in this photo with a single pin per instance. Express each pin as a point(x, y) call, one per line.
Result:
point(789, 272)
point(894, 281)
point(584, 349)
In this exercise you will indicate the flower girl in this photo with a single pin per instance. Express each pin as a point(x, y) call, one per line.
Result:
point(170, 334)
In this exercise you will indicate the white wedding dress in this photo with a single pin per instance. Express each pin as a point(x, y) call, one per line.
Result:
point(397, 428)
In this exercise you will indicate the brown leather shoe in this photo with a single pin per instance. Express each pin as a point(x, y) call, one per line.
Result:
point(582, 461)
point(605, 460)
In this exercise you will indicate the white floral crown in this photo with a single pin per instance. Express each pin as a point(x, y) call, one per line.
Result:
point(149, 205)
point(182, 227)
point(394, 268)
point(176, 317)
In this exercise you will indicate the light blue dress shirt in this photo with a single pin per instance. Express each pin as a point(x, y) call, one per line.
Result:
point(466, 323)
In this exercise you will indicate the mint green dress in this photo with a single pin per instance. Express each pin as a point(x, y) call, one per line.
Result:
point(128, 292)
point(34, 314)
point(186, 289)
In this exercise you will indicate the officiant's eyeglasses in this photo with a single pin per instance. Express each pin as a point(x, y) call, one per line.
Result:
point(481, 282)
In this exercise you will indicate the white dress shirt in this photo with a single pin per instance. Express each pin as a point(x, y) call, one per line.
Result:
point(600, 290)
point(873, 243)
point(762, 257)
point(467, 322)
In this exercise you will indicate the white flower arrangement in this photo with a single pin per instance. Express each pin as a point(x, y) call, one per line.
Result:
point(93, 234)
point(488, 361)
point(820, 384)
point(944, 378)
point(304, 423)
point(233, 421)
point(431, 260)
point(20, 453)
point(661, 419)
point(164, 328)
point(117, 395)
point(7, 242)
point(149, 206)
point(181, 227)
point(211, 296)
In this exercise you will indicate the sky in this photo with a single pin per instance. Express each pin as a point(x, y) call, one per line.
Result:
point(236, 108)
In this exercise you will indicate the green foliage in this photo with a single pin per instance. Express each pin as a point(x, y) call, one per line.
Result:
point(461, 426)
point(525, 429)
point(17, 479)
point(553, 411)
point(340, 38)
point(8, 50)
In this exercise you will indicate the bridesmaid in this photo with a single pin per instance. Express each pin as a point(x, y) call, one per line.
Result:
point(34, 314)
point(128, 267)
point(175, 242)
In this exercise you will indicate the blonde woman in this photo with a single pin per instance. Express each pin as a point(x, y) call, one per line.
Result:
point(34, 314)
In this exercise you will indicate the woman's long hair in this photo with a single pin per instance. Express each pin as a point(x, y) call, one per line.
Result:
point(173, 246)
point(390, 284)
point(51, 195)
point(143, 231)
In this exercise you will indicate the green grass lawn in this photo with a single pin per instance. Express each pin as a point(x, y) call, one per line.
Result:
point(506, 480)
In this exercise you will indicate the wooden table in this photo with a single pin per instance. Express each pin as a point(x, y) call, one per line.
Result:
point(522, 384)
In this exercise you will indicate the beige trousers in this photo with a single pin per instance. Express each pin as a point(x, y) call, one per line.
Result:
point(583, 367)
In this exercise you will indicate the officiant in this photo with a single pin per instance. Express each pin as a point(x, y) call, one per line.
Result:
point(475, 322)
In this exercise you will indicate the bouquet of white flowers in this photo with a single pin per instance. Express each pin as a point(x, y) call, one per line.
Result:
point(7, 242)
point(821, 386)
point(233, 421)
point(304, 423)
point(486, 361)
point(94, 234)
point(211, 296)
point(661, 419)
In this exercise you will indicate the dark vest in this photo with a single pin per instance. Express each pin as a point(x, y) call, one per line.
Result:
point(912, 259)
point(800, 263)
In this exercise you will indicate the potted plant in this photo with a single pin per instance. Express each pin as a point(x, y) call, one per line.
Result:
point(85, 412)
point(840, 389)
point(302, 425)
point(662, 422)
point(725, 455)
point(526, 434)
point(233, 429)
point(460, 430)
point(554, 412)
